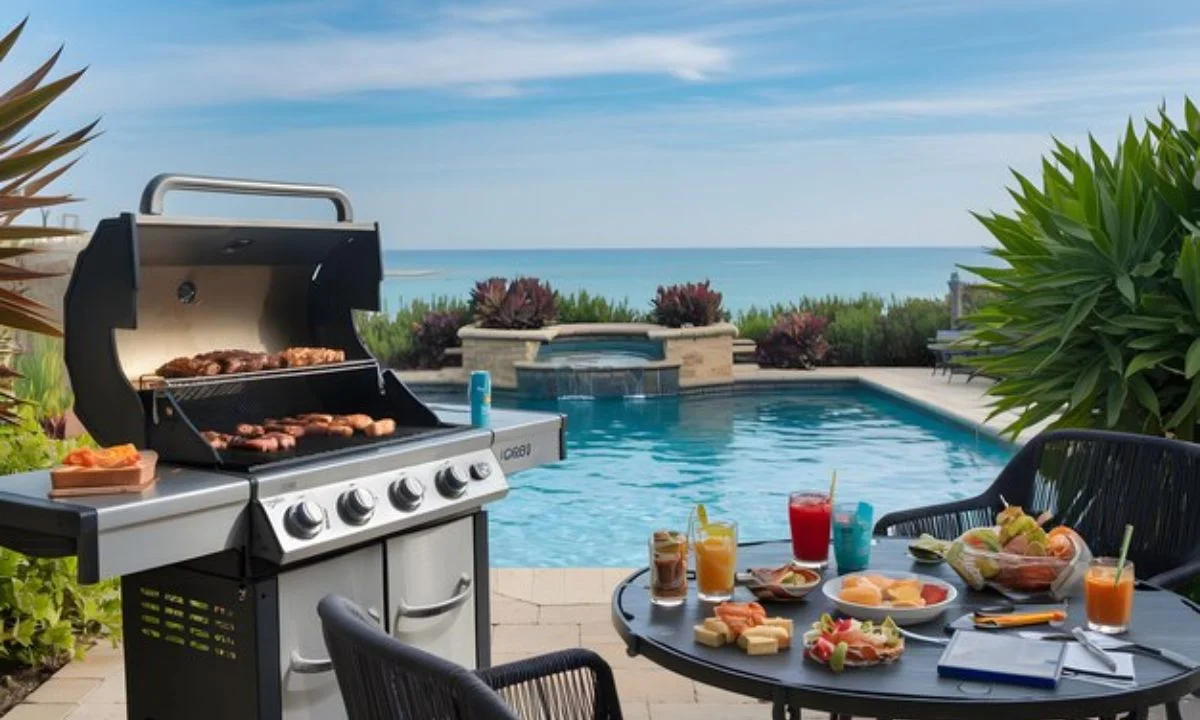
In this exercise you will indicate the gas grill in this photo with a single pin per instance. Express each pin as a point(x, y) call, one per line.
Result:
point(224, 560)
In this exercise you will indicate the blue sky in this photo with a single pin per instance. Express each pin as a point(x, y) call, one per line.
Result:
point(562, 123)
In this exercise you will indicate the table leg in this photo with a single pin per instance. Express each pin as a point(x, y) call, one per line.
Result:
point(1173, 712)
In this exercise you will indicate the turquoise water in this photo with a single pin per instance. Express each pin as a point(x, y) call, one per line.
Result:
point(745, 276)
point(636, 465)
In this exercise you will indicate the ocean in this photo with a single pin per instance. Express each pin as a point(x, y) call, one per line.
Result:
point(745, 276)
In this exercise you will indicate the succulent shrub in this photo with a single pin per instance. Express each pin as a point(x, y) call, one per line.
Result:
point(796, 340)
point(687, 305)
point(435, 332)
point(524, 304)
point(1097, 316)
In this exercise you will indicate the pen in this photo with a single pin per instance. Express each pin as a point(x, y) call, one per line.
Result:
point(1094, 649)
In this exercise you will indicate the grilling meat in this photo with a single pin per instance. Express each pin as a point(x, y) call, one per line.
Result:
point(294, 429)
point(183, 367)
point(250, 431)
point(231, 362)
point(259, 444)
point(305, 356)
point(379, 428)
point(275, 435)
point(359, 421)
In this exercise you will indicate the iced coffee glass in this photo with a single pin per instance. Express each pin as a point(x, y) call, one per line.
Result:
point(668, 567)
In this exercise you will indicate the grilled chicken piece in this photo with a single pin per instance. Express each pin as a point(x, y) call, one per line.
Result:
point(218, 441)
point(249, 431)
point(315, 418)
point(286, 442)
point(259, 444)
point(379, 428)
point(328, 429)
point(358, 421)
point(295, 430)
point(306, 356)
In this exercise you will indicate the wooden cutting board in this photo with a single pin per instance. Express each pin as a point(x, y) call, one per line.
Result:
point(72, 481)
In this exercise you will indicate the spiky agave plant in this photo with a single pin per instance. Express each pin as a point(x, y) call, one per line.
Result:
point(25, 171)
point(1096, 309)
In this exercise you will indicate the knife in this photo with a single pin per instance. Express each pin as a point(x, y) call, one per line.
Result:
point(1170, 656)
point(1095, 650)
point(1019, 619)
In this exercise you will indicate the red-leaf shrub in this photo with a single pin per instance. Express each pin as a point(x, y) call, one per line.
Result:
point(691, 304)
point(796, 340)
point(435, 332)
point(524, 304)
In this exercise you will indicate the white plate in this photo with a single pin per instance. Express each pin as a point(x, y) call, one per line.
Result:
point(901, 616)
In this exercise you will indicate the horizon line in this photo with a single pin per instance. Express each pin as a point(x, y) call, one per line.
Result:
point(703, 247)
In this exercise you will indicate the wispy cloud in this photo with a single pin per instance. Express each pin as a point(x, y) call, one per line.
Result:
point(463, 60)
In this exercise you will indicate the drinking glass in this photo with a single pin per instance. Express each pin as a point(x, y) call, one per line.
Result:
point(1107, 601)
point(809, 514)
point(668, 568)
point(716, 560)
point(852, 536)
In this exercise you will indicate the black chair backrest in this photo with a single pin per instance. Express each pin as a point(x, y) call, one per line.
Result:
point(1097, 481)
point(381, 678)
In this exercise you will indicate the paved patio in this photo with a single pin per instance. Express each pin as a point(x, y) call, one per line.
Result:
point(540, 610)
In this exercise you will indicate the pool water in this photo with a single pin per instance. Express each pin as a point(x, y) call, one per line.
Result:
point(634, 465)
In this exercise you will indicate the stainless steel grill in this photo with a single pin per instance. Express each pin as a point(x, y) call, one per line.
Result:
point(224, 560)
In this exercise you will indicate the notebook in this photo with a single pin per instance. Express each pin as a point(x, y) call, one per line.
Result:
point(993, 657)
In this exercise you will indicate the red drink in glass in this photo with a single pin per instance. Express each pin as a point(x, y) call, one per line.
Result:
point(810, 515)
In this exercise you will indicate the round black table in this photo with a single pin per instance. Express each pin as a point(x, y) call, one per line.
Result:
point(910, 687)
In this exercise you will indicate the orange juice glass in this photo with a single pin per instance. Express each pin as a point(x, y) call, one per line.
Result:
point(716, 560)
point(1108, 602)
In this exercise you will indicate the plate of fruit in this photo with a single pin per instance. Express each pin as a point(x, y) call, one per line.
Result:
point(852, 643)
point(906, 598)
point(782, 584)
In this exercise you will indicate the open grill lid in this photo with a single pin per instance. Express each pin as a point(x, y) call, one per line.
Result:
point(149, 288)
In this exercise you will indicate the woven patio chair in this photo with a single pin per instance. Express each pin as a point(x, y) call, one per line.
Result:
point(1094, 481)
point(382, 678)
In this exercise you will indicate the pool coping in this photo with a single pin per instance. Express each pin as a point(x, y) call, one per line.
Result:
point(918, 387)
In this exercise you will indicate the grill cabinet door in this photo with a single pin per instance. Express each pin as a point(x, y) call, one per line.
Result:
point(357, 576)
point(431, 590)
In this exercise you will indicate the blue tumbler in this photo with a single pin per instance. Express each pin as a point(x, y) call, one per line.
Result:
point(481, 398)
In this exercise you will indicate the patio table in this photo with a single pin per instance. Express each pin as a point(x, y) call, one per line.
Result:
point(909, 687)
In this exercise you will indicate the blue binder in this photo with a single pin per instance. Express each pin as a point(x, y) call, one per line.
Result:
point(995, 657)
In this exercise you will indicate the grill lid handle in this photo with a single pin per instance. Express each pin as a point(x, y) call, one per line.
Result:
point(157, 189)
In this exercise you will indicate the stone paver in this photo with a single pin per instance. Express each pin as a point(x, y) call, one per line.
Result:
point(43, 711)
point(63, 690)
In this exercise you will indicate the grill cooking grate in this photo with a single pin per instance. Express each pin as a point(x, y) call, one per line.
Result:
point(197, 388)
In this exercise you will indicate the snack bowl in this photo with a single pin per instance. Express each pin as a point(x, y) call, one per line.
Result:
point(1007, 571)
point(901, 615)
point(787, 583)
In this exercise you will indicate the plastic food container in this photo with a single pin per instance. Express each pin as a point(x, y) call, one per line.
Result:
point(1017, 574)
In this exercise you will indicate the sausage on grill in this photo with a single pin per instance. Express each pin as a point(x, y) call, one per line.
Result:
point(379, 428)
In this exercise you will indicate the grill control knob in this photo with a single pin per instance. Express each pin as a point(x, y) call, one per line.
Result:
point(407, 493)
point(356, 505)
point(304, 519)
point(481, 471)
point(450, 483)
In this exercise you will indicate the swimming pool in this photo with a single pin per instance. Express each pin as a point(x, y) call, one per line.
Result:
point(635, 465)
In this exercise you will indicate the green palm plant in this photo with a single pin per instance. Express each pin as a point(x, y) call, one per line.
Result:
point(1097, 308)
point(25, 171)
